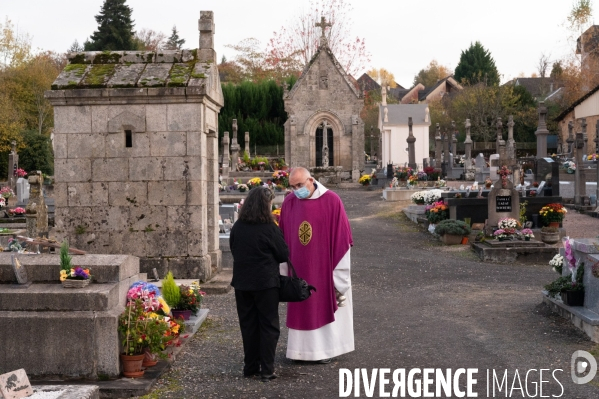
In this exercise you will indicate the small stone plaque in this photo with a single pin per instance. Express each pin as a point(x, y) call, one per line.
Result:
point(528, 225)
point(155, 273)
point(15, 385)
point(504, 203)
point(20, 271)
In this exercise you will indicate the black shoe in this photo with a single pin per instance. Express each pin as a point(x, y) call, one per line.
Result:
point(267, 378)
point(251, 375)
point(325, 361)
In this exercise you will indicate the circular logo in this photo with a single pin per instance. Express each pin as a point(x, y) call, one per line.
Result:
point(305, 233)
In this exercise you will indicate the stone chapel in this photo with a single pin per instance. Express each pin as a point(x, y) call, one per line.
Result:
point(324, 128)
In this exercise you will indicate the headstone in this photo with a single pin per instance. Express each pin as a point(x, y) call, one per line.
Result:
point(541, 189)
point(234, 146)
point(13, 165)
point(247, 143)
point(22, 190)
point(548, 172)
point(155, 274)
point(411, 149)
point(579, 181)
point(479, 162)
point(511, 143)
point(499, 137)
point(542, 132)
point(36, 210)
point(453, 142)
point(494, 166)
point(20, 272)
point(503, 202)
point(424, 163)
point(445, 153)
point(15, 385)
point(468, 144)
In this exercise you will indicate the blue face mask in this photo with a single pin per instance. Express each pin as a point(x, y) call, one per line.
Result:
point(302, 193)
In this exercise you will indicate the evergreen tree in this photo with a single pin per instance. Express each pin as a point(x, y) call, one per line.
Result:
point(115, 28)
point(476, 65)
point(174, 42)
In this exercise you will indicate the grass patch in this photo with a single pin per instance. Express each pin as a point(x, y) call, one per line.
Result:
point(170, 384)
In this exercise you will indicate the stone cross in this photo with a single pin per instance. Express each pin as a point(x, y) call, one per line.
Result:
point(325, 145)
point(438, 147)
point(542, 132)
point(468, 141)
point(226, 163)
point(499, 126)
point(580, 183)
point(36, 211)
point(445, 154)
point(323, 25)
point(411, 150)
point(235, 147)
point(511, 143)
point(13, 165)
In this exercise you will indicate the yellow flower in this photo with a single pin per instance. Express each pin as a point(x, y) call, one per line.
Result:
point(63, 278)
point(63, 273)
point(165, 306)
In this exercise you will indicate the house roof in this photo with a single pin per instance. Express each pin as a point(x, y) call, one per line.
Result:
point(537, 87)
point(398, 92)
point(327, 50)
point(367, 83)
point(561, 116)
point(133, 69)
point(398, 114)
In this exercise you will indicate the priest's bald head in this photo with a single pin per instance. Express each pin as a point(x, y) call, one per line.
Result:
point(301, 182)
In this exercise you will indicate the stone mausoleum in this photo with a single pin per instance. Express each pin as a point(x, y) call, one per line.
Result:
point(136, 148)
point(325, 104)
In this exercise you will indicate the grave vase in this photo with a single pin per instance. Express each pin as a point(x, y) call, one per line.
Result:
point(549, 238)
point(573, 298)
point(185, 314)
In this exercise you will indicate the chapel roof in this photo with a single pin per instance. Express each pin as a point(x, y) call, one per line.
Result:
point(398, 114)
point(133, 69)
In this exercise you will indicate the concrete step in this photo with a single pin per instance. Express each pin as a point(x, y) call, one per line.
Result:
point(219, 284)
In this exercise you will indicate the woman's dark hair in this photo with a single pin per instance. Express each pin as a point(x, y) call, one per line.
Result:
point(256, 207)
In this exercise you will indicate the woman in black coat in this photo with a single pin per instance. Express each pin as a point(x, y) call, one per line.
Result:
point(258, 247)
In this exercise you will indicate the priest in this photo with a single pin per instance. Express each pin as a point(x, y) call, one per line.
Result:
point(319, 238)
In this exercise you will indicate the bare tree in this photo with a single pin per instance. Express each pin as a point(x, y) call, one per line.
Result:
point(149, 40)
point(543, 65)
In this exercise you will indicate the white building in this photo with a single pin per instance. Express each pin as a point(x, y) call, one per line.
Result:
point(393, 124)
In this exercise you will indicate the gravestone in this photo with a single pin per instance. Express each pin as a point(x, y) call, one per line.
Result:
point(234, 146)
point(494, 166)
point(511, 143)
point(541, 189)
point(548, 172)
point(247, 143)
point(438, 147)
point(411, 149)
point(15, 385)
point(22, 190)
point(468, 145)
point(226, 162)
point(20, 273)
point(480, 167)
point(503, 202)
point(542, 132)
point(13, 165)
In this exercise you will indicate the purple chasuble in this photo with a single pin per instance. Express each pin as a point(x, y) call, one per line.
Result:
point(318, 235)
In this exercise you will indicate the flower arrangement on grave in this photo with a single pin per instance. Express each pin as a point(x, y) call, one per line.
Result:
point(504, 172)
point(535, 184)
point(418, 197)
point(571, 283)
point(508, 223)
point(557, 263)
point(532, 193)
point(14, 245)
point(402, 173)
point(436, 212)
point(365, 180)
point(254, 182)
point(452, 227)
point(20, 172)
point(191, 297)
point(488, 182)
point(592, 157)
point(422, 175)
point(276, 214)
point(182, 298)
point(70, 272)
point(18, 211)
point(503, 234)
point(570, 166)
point(527, 233)
point(432, 173)
point(2, 202)
point(412, 180)
point(281, 177)
point(242, 188)
point(432, 196)
point(440, 182)
point(7, 192)
point(552, 213)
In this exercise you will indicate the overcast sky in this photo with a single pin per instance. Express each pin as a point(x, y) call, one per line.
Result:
point(402, 36)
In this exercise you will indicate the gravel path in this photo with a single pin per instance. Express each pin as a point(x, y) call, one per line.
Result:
point(416, 304)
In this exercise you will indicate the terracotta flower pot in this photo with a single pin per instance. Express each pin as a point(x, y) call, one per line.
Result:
point(132, 365)
point(450, 239)
point(150, 358)
point(554, 224)
point(550, 238)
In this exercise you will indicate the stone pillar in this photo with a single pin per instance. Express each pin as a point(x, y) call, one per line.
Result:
point(206, 28)
point(13, 165)
point(542, 132)
point(511, 143)
point(468, 144)
point(445, 163)
point(212, 203)
point(36, 209)
point(580, 184)
point(438, 147)
point(411, 150)
point(247, 143)
point(325, 146)
point(226, 159)
point(570, 139)
point(357, 147)
point(234, 147)
point(499, 139)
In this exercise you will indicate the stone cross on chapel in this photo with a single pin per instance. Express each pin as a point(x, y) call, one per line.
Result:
point(323, 25)
point(325, 146)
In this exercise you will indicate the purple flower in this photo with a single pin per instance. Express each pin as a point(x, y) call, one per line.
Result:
point(79, 272)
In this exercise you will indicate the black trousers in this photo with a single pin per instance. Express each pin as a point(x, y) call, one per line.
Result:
point(258, 313)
